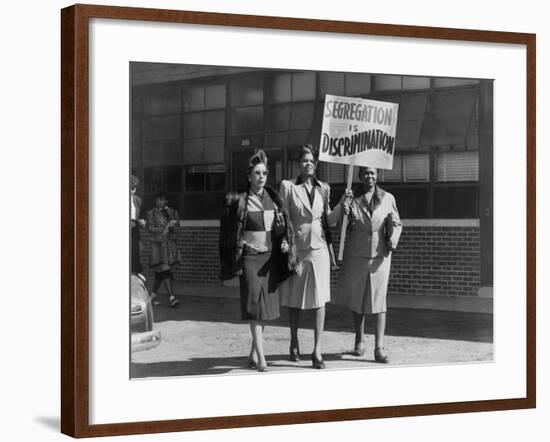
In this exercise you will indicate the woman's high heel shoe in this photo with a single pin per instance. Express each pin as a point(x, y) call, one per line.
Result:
point(381, 356)
point(359, 349)
point(252, 364)
point(318, 364)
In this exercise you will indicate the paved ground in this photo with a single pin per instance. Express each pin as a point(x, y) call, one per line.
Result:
point(204, 336)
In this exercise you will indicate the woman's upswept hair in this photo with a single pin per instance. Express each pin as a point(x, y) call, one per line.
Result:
point(258, 157)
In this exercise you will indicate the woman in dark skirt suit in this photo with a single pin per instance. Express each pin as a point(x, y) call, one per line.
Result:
point(256, 243)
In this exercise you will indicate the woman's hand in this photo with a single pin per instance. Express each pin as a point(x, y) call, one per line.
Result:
point(278, 226)
point(347, 195)
point(284, 246)
point(345, 201)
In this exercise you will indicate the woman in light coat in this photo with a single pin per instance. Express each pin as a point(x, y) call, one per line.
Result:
point(373, 233)
point(307, 202)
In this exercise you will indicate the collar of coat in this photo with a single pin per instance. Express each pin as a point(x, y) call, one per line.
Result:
point(314, 180)
point(377, 196)
point(238, 201)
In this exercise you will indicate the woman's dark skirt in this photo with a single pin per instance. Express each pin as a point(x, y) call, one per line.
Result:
point(257, 302)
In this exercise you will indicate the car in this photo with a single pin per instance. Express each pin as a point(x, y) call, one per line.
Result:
point(144, 336)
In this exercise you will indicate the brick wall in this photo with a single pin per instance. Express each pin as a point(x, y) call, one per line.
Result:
point(198, 247)
point(430, 260)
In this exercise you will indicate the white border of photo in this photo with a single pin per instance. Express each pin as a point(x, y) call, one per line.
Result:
point(116, 398)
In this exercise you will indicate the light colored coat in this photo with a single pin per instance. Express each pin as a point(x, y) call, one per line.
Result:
point(306, 220)
point(366, 237)
point(363, 282)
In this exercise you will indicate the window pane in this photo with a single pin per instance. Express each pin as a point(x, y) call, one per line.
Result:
point(331, 172)
point(472, 138)
point(294, 168)
point(193, 99)
point(152, 179)
point(447, 82)
point(412, 106)
point(136, 103)
point(172, 179)
point(416, 82)
point(193, 125)
point(136, 130)
point(247, 91)
point(162, 128)
point(458, 166)
point(213, 150)
point(456, 202)
point(355, 176)
point(136, 154)
point(417, 167)
point(193, 151)
point(453, 103)
point(247, 120)
point(167, 179)
point(336, 173)
point(279, 88)
point(394, 174)
point(297, 137)
point(303, 86)
point(331, 83)
point(357, 84)
point(279, 117)
point(214, 123)
point(301, 116)
point(387, 82)
point(194, 182)
point(408, 134)
point(215, 181)
point(161, 153)
point(276, 139)
point(215, 96)
point(163, 101)
point(199, 205)
point(411, 201)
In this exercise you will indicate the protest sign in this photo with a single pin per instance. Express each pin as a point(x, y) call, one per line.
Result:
point(357, 132)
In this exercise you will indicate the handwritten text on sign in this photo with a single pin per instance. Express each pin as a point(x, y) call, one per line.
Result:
point(358, 132)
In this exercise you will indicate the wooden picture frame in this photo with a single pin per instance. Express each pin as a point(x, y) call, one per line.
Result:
point(75, 218)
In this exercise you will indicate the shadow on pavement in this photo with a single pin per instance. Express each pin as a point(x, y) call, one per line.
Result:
point(222, 365)
point(435, 324)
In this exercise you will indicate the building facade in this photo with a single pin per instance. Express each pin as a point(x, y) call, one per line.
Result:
point(193, 127)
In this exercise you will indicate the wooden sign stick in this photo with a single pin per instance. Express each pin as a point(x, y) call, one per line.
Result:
point(345, 220)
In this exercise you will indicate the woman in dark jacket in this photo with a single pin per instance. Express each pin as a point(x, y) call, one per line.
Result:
point(256, 243)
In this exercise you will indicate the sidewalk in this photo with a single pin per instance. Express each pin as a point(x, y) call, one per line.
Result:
point(204, 335)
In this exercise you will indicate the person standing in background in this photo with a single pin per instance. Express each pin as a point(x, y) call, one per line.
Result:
point(135, 224)
point(162, 222)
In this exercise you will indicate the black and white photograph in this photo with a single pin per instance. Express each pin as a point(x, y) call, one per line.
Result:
point(299, 220)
